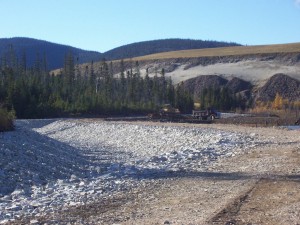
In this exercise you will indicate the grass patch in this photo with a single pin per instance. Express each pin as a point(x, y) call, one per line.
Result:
point(224, 51)
point(6, 120)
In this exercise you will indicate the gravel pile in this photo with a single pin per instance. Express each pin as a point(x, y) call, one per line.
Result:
point(49, 165)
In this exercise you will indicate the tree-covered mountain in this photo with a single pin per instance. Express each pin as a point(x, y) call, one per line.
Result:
point(31, 51)
point(163, 45)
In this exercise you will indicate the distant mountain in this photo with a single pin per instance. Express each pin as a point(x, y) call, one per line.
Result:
point(55, 53)
point(34, 49)
point(163, 45)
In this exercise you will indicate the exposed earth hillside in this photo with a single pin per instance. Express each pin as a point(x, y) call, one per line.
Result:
point(250, 63)
point(247, 69)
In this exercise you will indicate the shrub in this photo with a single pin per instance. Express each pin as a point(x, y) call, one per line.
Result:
point(6, 120)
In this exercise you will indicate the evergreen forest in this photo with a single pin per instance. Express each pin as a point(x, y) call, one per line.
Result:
point(35, 93)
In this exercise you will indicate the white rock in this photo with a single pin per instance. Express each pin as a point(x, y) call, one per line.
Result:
point(34, 221)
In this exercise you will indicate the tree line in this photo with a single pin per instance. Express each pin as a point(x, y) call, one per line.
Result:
point(35, 93)
point(223, 99)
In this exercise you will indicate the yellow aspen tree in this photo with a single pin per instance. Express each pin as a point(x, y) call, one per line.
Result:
point(278, 102)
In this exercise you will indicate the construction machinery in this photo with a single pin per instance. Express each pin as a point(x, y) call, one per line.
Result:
point(166, 113)
point(169, 113)
point(208, 114)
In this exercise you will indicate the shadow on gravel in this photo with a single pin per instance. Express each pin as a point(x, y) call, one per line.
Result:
point(152, 174)
point(34, 123)
point(28, 158)
point(293, 177)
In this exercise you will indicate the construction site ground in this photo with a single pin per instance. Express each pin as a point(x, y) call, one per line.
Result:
point(261, 186)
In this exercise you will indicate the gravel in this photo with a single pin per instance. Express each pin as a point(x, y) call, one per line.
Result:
point(50, 165)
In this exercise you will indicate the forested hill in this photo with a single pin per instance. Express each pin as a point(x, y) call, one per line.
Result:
point(38, 51)
point(54, 54)
point(163, 45)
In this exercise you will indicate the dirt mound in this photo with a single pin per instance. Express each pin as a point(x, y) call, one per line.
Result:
point(235, 85)
point(282, 84)
point(286, 86)
point(238, 85)
point(198, 84)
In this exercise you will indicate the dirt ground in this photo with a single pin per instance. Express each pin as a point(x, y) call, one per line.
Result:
point(261, 186)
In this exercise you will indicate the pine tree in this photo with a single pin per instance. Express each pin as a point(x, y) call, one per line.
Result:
point(170, 93)
point(122, 91)
point(146, 87)
point(69, 69)
point(92, 79)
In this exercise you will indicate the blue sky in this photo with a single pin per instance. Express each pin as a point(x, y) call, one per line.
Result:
point(101, 25)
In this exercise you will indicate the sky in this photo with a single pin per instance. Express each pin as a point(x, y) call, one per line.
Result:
point(101, 25)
